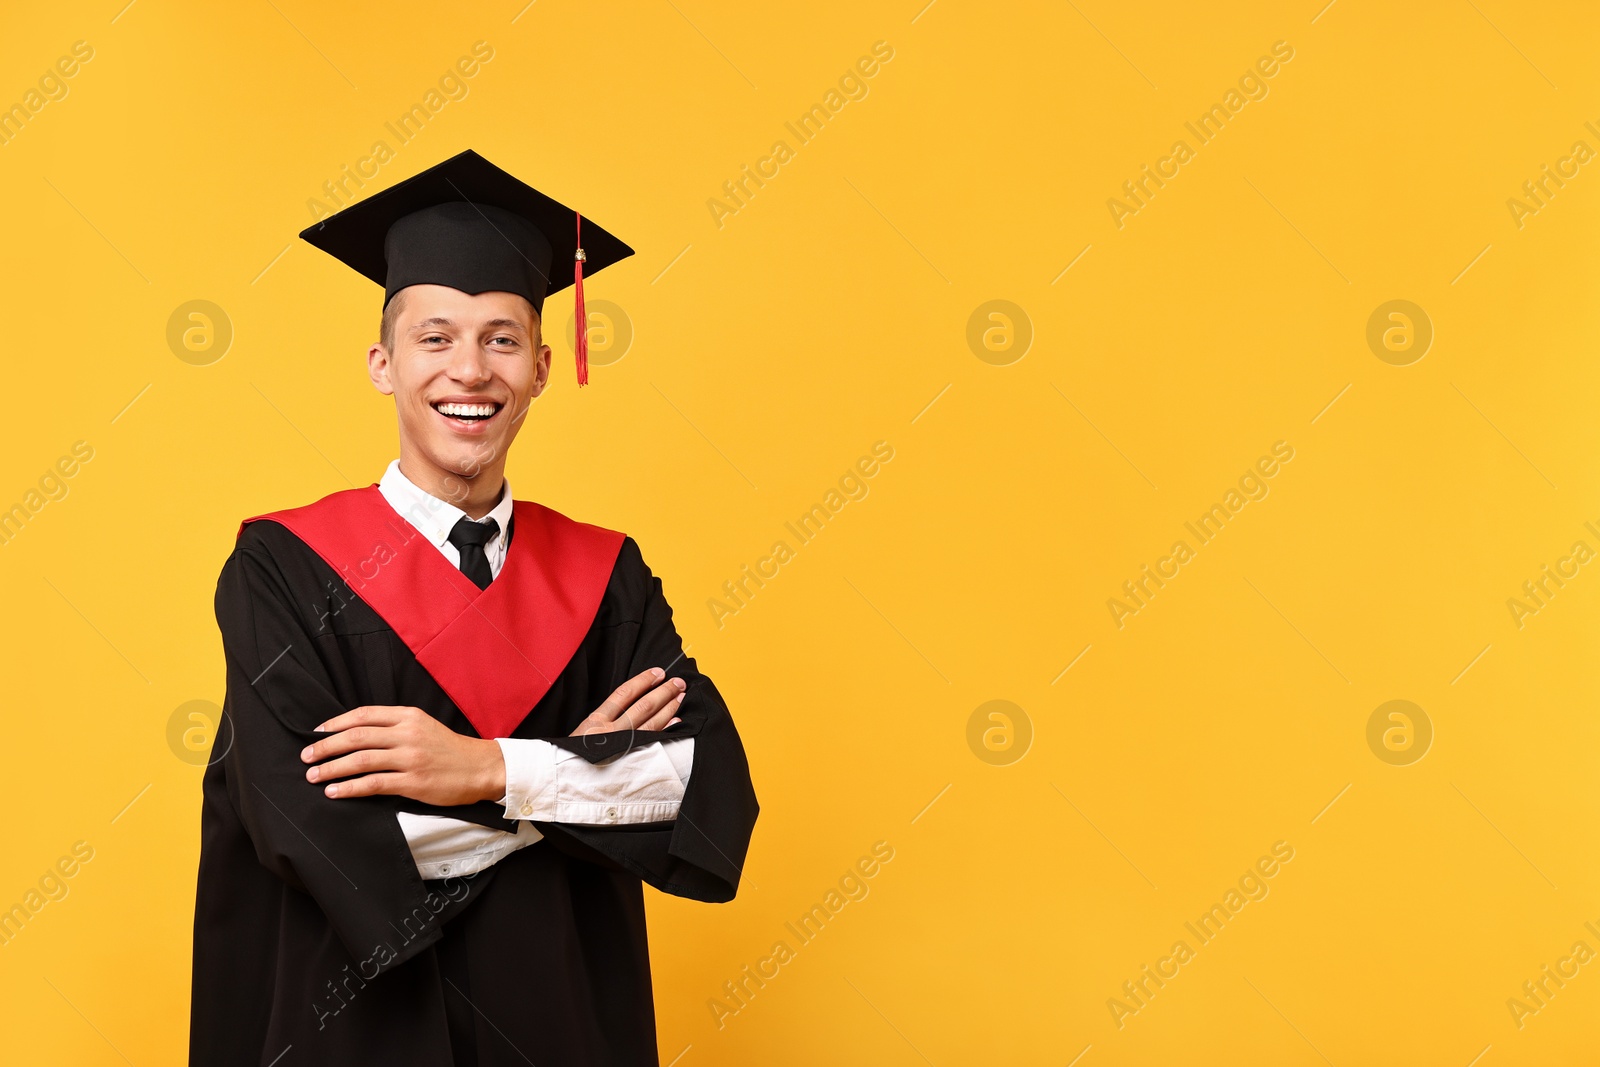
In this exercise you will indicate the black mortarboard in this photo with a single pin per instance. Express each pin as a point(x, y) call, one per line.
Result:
point(468, 224)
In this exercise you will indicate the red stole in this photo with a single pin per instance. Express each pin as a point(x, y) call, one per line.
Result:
point(495, 651)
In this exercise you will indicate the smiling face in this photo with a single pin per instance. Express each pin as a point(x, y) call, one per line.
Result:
point(463, 370)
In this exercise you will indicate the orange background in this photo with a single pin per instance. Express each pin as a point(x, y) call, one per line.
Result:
point(1041, 459)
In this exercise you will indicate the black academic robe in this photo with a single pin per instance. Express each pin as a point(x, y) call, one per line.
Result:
point(316, 941)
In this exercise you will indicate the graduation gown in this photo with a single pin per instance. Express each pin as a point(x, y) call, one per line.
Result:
point(316, 940)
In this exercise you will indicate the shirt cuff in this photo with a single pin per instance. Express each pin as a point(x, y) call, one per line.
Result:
point(547, 783)
point(530, 778)
point(443, 847)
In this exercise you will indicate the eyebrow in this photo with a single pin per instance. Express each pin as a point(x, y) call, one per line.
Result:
point(438, 321)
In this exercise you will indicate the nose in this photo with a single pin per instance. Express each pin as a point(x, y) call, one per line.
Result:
point(469, 365)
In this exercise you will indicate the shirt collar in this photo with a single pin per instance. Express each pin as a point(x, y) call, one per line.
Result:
point(435, 518)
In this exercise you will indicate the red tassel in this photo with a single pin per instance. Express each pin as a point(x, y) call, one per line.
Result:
point(580, 341)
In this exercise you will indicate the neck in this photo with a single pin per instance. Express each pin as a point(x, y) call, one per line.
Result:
point(476, 495)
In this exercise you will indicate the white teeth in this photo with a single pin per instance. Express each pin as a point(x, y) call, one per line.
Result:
point(465, 409)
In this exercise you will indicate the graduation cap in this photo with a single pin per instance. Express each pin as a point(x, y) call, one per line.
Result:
point(467, 224)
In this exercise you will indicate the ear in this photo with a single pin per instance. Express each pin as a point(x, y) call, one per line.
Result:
point(541, 370)
point(378, 369)
point(541, 359)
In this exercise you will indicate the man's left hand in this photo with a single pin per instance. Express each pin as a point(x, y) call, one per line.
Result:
point(405, 752)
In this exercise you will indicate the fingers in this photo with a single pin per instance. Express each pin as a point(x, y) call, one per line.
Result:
point(350, 740)
point(647, 701)
point(666, 716)
point(665, 696)
point(629, 692)
point(371, 715)
point(363, 762)
point(369, 785)
point(359, 728)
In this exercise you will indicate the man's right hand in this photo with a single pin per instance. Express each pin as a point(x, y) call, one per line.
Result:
point(643, 702)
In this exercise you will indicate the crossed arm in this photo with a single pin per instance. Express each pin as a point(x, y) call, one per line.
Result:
point(404, 751)
point(355, 859)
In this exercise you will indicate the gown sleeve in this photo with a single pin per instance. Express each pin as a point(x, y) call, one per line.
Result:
point(350, 855)
point(701, 854)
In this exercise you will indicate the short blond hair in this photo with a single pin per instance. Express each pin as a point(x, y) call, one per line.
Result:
point(391, 314)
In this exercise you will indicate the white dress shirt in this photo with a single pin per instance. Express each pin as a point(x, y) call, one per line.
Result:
point(544, 783)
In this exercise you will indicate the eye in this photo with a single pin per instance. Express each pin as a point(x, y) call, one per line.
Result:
point(432, 338)
point(509, 341)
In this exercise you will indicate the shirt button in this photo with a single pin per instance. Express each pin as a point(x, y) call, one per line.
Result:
point(444, 869)
point(611, 812)
point(527, 808)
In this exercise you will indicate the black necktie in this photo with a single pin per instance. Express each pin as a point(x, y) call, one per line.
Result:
point(469, 537)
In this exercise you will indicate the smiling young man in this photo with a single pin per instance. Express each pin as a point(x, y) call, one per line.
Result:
point(460, 729)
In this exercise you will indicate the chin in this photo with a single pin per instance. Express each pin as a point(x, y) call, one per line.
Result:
point(468, 462)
